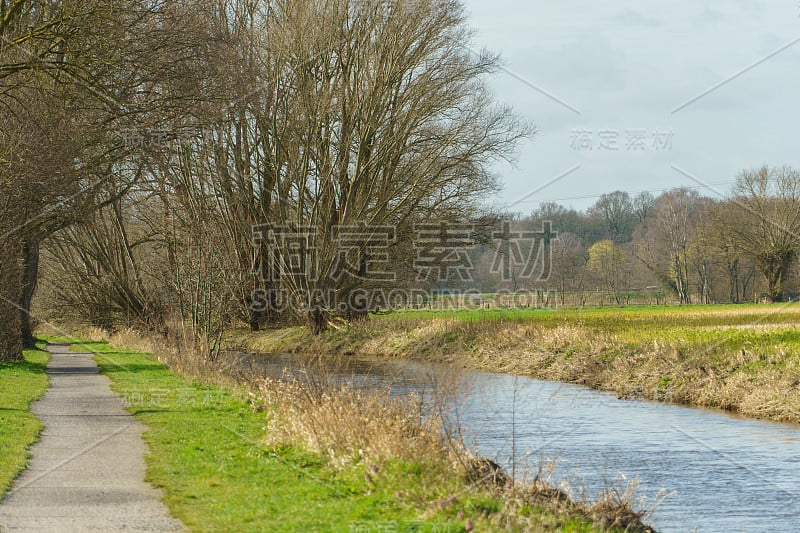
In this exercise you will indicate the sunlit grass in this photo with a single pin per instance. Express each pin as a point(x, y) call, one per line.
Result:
point(734, 324)
point(20, 385)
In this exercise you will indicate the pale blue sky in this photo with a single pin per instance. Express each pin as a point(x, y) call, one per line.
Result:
point(626, 66)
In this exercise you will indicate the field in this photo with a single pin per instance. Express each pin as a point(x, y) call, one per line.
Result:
point(744, 358)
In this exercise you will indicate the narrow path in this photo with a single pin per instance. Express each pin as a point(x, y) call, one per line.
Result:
point(87, 471)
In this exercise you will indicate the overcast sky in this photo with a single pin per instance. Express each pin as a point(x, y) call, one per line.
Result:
point(593, 77)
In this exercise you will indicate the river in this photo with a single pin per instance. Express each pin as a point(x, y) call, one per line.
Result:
point(713, 471)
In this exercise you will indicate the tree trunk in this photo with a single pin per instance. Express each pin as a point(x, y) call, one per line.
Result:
point(774, 285)
point(774, 267)
point(317, 321)
point(30, 275)
point(255, 319)
point(10, 281)
point(685, 275)
point(733, 281)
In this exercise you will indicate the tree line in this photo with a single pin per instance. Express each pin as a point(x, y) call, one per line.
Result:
point(176, 166)
point(697, 249)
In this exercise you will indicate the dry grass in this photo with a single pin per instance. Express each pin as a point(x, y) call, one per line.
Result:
point(348, 424)
point(180, 354)
point(322, 406)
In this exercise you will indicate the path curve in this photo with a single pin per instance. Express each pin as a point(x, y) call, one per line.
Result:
point(87, 471)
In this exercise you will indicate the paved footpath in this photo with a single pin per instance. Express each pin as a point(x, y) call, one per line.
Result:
point(87, 471)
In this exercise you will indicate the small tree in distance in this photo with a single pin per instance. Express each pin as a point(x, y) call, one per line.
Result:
point(607, 260)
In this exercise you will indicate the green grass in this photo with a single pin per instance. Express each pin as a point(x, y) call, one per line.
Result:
point(20, 385)
point(692, 325)
point(708, 331)
point(206, 453)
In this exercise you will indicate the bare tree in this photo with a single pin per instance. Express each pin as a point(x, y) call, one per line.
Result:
point(643, 204)
point(768, 226)
point(10, 267)
point(718, 240)
point(665, 250)
point(385, 121)
point(616, 210)
point(607, 260)
point(569, 258)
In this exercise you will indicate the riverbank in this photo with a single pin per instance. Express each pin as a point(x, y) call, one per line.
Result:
point(742, 358)
point(20, 385)
point(231, 456)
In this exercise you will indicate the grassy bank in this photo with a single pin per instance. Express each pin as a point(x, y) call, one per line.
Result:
point(745, 358)
point(230, 459)
point(20, 385)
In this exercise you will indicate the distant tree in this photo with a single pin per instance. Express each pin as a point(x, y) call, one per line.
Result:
point(616, 210)
point(643, 204)
point(568, 260)
point(552, 211)
point(607, 259)
point(729, 271)
point(767, 201)
point(665, 246)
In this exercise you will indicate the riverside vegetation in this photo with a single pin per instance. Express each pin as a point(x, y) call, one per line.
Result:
point(238, 452)
point(743, 358)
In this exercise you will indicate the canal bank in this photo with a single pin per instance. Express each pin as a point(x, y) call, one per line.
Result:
point(745, 359)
